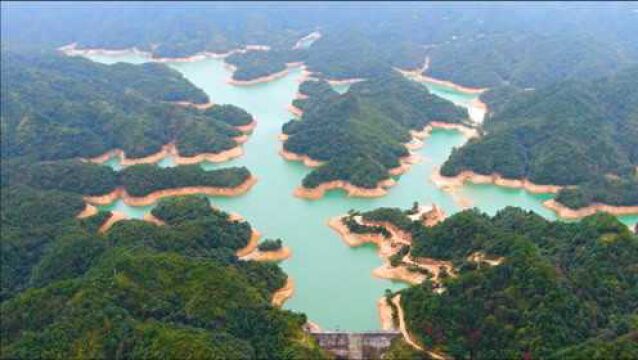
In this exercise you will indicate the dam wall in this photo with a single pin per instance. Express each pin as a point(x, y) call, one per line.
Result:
point(355, 346)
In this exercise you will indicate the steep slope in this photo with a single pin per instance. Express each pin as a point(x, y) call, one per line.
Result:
point(572, 133)
point(486, 45)
point(142, 290)
point(56, 107)
point(361, 134)
point(522, 286)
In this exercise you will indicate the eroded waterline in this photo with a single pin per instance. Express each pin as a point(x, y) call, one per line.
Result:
point(333, 283)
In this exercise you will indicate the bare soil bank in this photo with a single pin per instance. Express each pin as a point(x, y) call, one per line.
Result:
point(449, 183)
point(157, 195)
point(280, 296)
point(352, 190)
point(568, 213)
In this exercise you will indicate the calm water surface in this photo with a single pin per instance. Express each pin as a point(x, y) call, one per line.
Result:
point(334, 283)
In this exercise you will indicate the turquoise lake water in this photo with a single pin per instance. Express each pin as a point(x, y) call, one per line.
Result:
point(334, 285)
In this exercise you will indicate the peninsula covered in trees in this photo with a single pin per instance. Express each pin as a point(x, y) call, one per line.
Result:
point(481, 312)
point(121, 106)
point(360, 135)
point(139, 290)
point(582, 133)
point(257, 64)
point(522, 286)
point(314, 93)
point(138, 180)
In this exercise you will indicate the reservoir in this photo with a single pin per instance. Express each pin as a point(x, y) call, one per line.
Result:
point(334, 285)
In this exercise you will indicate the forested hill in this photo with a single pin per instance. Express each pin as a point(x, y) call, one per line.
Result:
point(573, 133)
point(139, 290)
point(56, 107)
point(138, 180)
point(547, 289)
point(360, 134)
point(166, 29)
point(475, 44)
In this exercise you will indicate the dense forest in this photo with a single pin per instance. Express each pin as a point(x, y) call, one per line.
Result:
point(561, 289)
point(602, 190)
point(139, 290)
point(573, 133)
point(359, 57)
point(315, 92)
point(138, 180)
point(480, 45)
point(563, 109)
point(360, 134)
point(141, 180)
point(105, 107)
point(256, 64)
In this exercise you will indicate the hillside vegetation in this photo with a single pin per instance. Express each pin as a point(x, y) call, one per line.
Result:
point(482, 45)
point(105, 107)
point(138, 180)
point(256, 64)
point(560, 289)
point(138, 290)
point(360, 134)
point(573, 133)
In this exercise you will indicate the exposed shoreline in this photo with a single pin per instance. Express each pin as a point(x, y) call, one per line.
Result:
point(305, 159)
point(284, 253)
point(88, 211)
point(353, 240)
point(149, 217)
point(344, 81)
point(386, 314)
point(251, 246)
point(454, 182)
point(387, 247)
point(291, 156)
point(417, 71)
point(72, 50)
point(406, 162)
point(125, 161)
point(170, 149)
point(153, 197)
point(355, 191)
point(314, 36)
point(301, 96)
point(306, 75)
point(219, 157)
point(204, 106)
point(106, 199)
point(398, 273)
point(477, 107)
point(295, 110)
point(261, 79)
point(115, 217)
point(280, 296)
point(568, 213)
point(466, 131)
point(449, 84)
point(352, 190)
point(248, 127)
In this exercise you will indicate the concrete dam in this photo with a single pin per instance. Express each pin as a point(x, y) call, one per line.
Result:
point(355, 346)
